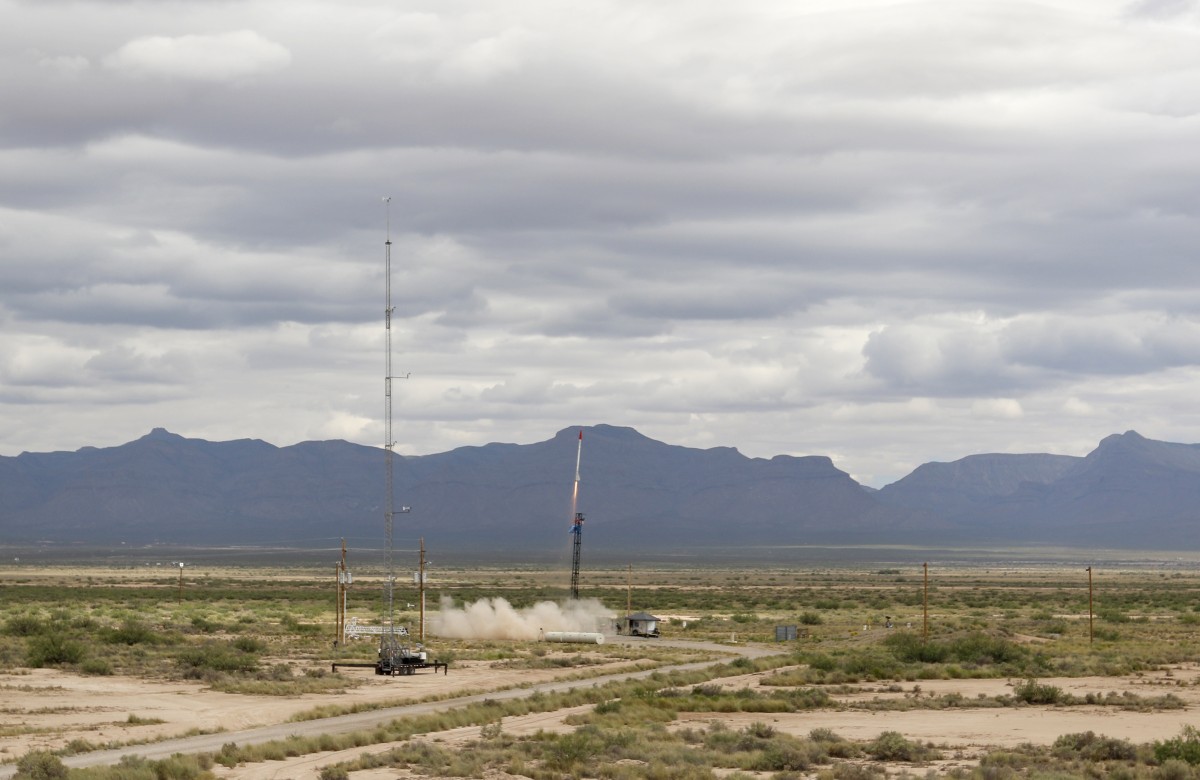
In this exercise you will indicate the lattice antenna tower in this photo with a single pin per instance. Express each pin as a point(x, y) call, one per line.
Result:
point(388, 639)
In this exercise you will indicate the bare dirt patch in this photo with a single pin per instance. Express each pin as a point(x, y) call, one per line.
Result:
point(52, 708)
point(968, 727)
point(45, 709)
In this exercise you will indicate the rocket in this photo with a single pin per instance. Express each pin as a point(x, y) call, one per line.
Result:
point(575, 492)
point(578, 454)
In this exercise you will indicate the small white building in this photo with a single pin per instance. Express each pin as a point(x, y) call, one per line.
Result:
point(638, 624)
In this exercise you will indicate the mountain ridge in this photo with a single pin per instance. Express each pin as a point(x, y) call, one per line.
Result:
point(636, 491)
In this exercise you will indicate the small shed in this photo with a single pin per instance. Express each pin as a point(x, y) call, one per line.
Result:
point(639, 624)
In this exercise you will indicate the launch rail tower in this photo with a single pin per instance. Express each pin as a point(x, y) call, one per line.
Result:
point(576, 544)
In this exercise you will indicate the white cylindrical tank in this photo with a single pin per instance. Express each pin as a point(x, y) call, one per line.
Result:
point(579, 637)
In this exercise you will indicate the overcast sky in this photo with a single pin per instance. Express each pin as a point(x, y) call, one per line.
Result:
point(887, 232)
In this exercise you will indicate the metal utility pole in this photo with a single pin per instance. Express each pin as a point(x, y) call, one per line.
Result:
point(925, 605)
point(1091, 625)
point(181, 582)
point(343, 588)
point(421, 585)
point(629, 591)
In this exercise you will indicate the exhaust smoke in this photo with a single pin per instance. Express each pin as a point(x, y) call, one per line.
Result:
point(495, 618)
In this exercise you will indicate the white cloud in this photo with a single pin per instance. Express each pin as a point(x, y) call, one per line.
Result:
point(1003, 408)
point(221, 57)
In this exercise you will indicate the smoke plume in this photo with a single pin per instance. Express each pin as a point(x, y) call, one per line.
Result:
point(497, 619)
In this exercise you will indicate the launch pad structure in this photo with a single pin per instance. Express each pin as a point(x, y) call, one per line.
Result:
point(576, 544)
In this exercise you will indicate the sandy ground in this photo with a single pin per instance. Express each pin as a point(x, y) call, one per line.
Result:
point(964, 733)
point(973, 729)
point(47, 708)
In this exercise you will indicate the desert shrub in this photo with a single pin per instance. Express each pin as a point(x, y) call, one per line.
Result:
point(249, 644)
point(980, 648)
point(228, 755)
point(1056, 626)
point(572, 749)
point(821, 662)
point(99, 667)
point(280, 673)
point(178, 767)
point(335, 772)
point(847, 771)
point(130, 632)
point(974, 648)
point(871, 666)
point(1112, 616)
point(40, 765)
point(1033, 692)
point(1092, 747)
point(760, 730)
point(607, 707)
point(292, 624)
point(53, 649)
point(204, 625)
point(78, 745)
point(909, 647)
point(1185, 747)
point(215, 656)
point(811, 618)
point(128, 768)
point(893, 746)
point(788, 755)
point(24, 625)
point(1174, 769)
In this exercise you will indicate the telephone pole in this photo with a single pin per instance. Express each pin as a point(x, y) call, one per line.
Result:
point(343, 588)
point(925, 605)
point(1091, 624)
point(421, 587)
point(629, 591)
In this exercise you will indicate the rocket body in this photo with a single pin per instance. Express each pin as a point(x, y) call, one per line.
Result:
point(578, 455)
point(575, 492)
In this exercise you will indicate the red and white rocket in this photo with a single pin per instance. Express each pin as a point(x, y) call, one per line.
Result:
point(578, 458)
point(578, 455)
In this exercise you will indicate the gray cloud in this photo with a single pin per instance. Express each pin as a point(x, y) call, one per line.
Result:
point(887, 233)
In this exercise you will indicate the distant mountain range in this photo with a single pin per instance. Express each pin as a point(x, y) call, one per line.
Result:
point(637, 494)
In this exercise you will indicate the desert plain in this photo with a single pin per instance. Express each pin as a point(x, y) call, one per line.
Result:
point(992, 668)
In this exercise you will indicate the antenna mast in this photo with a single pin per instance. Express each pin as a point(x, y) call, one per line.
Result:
point(388, 639)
